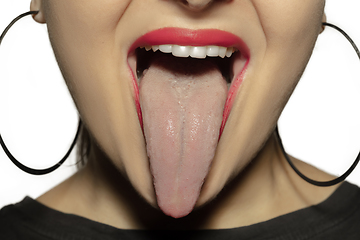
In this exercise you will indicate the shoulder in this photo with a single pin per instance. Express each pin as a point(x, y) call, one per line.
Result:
point(337, 217)
point(8, 223)
point(16, 223)
point(343, 215)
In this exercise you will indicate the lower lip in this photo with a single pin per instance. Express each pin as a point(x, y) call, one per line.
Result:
point(231, 96)
point(187, 37)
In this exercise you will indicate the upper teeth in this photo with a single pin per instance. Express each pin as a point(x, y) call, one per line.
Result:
point(193, 51)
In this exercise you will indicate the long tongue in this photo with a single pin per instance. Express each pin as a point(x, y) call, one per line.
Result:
point(182, 102)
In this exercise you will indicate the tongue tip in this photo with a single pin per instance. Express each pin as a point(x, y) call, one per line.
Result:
point(177, 202)
point(176, 211)
point(177, 206)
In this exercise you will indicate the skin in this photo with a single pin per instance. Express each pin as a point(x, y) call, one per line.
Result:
point(91, 41)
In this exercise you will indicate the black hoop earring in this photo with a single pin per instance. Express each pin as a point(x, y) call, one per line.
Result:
point(6, 150)
point(352, 167)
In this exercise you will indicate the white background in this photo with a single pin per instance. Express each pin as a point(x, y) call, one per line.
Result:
point(320, 125)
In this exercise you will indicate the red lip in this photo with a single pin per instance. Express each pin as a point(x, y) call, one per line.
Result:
point(189, 37)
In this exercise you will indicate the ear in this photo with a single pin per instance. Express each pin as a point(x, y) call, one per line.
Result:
point(37, 5)
point(323, 20)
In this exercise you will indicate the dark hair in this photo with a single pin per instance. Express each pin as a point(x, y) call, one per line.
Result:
point(83, 147)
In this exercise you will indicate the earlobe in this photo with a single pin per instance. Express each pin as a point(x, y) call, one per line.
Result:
point(323, 20)
point(36, 5)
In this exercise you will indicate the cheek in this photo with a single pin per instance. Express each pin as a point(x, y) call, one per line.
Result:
point(291, 29)
point(93, 60)
point(289, 24)
point(83, 38)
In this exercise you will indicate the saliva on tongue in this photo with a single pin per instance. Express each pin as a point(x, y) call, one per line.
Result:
point(182, 102)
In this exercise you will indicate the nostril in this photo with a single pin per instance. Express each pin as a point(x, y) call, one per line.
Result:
point(197, 4)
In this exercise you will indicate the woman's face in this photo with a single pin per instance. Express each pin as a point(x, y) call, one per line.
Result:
point(160, 118)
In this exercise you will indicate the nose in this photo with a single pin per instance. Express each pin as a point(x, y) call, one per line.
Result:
point(197, 5)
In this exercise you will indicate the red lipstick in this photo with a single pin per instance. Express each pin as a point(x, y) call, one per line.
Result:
point(189, 37)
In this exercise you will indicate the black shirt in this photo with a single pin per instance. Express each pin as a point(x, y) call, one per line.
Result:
point(338, 217)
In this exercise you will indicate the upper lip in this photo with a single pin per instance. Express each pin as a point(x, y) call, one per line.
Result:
point(190, 37)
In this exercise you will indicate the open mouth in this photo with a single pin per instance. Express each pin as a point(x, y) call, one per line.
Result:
point(185, 82)
point(222, 57)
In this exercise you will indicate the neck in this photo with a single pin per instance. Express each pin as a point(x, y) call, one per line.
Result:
point(265, 189)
